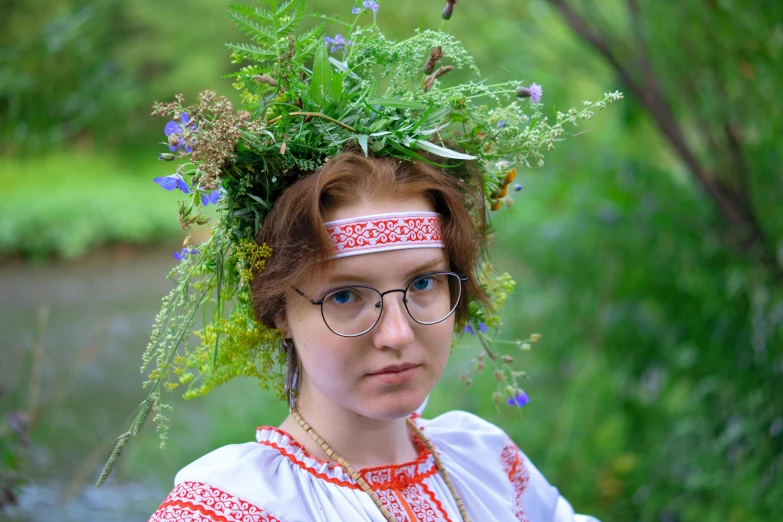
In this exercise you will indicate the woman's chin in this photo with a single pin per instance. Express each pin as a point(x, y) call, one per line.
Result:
point(393, 406)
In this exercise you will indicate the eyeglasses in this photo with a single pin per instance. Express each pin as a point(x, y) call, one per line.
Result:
point(351, 311)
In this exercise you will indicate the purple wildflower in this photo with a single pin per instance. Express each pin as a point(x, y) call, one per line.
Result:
point(173, 181)
point(371, 5)
point(517, 187)
point(448, 11)
point(337, 43)
point(534, 92)
point(179, 256)
point(356, 10)
point(519, 400)
point(174, 130)
point(211, 197)
point(501, 124)
point(482, 328)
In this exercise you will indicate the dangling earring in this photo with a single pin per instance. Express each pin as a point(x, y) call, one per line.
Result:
point(292, 373)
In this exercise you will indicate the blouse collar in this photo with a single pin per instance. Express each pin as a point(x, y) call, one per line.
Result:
point(395, 476)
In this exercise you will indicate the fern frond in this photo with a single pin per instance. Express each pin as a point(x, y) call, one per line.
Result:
point(253, 51)
point(308, 41)
point(252, 11)
point(297, 6)
point(253, 29)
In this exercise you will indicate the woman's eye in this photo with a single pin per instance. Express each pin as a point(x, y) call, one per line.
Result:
point(425, 283)
point(343, 297)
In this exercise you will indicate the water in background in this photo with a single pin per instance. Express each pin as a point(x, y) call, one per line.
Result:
point(86, 381)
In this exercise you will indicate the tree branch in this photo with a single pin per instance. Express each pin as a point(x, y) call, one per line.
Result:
point(731, 205)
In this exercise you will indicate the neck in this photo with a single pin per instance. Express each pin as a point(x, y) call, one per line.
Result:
point(360, 440)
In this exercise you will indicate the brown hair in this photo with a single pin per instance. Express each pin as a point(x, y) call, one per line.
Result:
point(301, 248)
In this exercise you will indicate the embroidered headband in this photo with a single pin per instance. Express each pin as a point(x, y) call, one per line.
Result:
point(383, 232)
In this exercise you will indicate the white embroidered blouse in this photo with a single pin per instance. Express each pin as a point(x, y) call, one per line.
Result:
point(276, 480)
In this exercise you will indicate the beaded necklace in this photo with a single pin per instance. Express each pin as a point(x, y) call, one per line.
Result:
point(366, 487)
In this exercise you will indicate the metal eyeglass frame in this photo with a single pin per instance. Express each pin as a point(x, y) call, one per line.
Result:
point(379, 304)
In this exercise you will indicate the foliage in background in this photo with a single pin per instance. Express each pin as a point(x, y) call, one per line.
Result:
point(65, 204)
point(655, 393)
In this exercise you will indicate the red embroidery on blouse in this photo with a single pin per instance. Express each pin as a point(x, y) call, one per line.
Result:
point(514, 466)
point(199, 502)
point(305, 467)
point(379, 477)
point(431, 494)
point(400, 487)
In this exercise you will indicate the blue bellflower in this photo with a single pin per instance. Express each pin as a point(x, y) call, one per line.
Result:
point(179, 256)
point(173, 181)
point(174, 130)
point(519, 400)
point(482, 328)
point(210, 197)
point(337, 43)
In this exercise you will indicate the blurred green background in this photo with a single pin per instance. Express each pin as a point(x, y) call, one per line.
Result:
point(647, 252)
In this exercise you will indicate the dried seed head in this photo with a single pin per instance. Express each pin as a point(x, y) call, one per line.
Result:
point(442, 71)
point(429, 81)
point(435, 55)
point(265, 78)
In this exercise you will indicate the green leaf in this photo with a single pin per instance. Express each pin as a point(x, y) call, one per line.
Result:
point(322, 75)
point(362, 139)
point(336, 87)
point(258, 200)
point(443, 151)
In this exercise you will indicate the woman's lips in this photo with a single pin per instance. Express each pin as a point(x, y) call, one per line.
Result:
point(395, 377)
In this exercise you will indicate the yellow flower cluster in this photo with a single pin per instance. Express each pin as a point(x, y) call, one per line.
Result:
point(233, 347)
point(250, 257)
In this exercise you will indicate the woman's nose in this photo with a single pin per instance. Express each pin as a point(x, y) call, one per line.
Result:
point(394, 328)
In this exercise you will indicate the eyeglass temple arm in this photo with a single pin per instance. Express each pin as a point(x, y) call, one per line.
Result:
point(313, 301)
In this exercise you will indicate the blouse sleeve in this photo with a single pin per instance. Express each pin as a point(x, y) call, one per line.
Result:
point(201, 502)
point(493, 471)
point(534, 497)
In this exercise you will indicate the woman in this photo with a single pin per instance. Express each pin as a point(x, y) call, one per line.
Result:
point(374, 261)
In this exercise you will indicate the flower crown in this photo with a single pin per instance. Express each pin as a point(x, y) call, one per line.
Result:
point(306, 96)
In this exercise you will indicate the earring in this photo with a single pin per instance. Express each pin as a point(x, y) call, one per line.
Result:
point(292, 373)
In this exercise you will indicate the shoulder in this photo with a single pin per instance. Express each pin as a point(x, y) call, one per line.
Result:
point(462, 430)
point(482, 450)
point(225, 466)
point(210, 488)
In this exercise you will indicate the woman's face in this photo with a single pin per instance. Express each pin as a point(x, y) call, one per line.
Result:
point(349, 372)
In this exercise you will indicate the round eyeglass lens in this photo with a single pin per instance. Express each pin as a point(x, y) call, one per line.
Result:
point(432, 298)
point(429, 299)
point(352, 310)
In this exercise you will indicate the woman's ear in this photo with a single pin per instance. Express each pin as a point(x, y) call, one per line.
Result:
point(281, 323)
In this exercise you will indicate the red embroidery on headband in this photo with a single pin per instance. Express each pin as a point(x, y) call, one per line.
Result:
point(368, 234)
